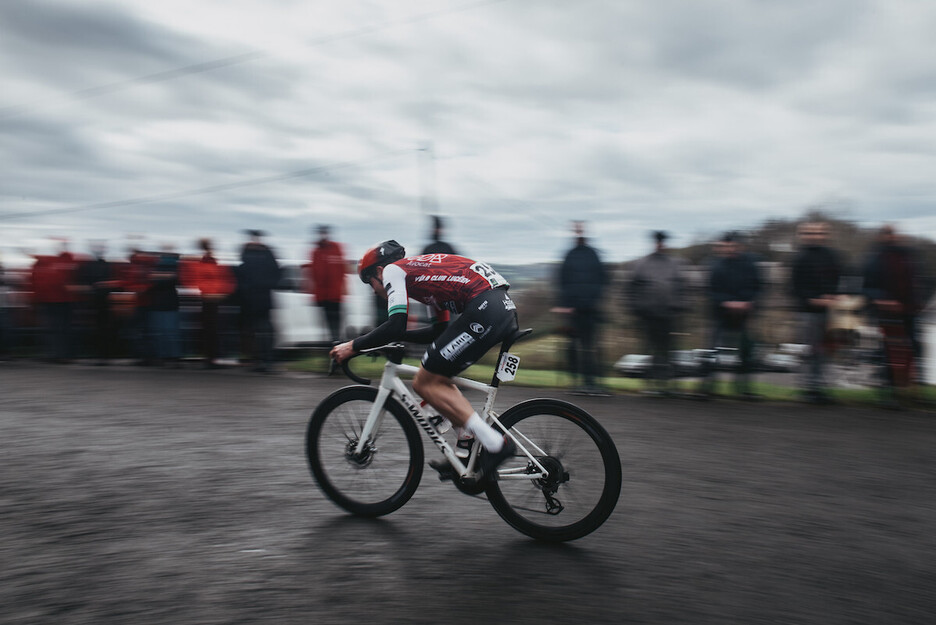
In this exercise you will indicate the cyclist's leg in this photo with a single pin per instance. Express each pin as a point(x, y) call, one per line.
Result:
point(441, 393)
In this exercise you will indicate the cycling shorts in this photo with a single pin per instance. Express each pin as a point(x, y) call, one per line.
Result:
point(487, 320)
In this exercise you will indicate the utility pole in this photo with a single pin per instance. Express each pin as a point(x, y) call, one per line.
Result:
point(428, 202)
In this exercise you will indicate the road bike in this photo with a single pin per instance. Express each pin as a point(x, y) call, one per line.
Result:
point(365, 452)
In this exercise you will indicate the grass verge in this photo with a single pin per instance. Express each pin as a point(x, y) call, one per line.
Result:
point(371, 367)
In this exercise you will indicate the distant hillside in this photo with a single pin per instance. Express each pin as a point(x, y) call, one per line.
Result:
point(524, 275)
point(775, 241)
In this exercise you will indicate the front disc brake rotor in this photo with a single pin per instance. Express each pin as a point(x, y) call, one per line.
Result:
point(362, 460)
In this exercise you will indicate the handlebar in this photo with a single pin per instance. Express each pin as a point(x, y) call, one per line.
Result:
point(392, 351)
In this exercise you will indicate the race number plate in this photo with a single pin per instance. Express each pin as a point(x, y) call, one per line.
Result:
point(488, 273)
point(507, 370)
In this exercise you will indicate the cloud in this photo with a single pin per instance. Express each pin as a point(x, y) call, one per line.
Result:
point(692, 116)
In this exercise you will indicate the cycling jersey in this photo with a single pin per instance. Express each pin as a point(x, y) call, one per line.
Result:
point(447, 283)
point(444, 282)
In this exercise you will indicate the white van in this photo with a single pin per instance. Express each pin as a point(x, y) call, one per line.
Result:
point(300, 324)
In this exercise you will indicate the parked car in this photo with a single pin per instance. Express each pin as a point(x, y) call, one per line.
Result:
point(775, 361)
point(685, 363)
point(726, 358)
point(634, 365)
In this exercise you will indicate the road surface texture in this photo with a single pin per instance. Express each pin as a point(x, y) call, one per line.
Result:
point(138, 496)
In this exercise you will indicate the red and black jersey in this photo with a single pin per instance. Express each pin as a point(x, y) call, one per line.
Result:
point(445, 282)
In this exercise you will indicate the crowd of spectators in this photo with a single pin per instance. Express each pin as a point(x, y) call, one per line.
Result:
point(888, 285)
point(98, 309)
point(91, 307)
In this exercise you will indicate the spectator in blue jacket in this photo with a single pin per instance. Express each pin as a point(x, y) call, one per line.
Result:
point(163, 312)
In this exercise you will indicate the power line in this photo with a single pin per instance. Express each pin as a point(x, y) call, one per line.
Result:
point(175, 195)
point(245, 57)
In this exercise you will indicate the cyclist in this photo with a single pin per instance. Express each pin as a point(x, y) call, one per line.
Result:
point(448, 284)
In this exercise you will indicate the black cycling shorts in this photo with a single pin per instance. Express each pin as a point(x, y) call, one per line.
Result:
point(487, 320)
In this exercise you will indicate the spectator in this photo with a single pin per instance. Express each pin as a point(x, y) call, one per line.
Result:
point(437, 245)
point(734, 285)
point(892, 285)
point(215, 283)
point(582, 280)
point(655, 293)
point(53, 280)
point(327, 280)
point(257, 276)
point(163, 317)
point(816, 273)
point(135, 296)
point(98, 280)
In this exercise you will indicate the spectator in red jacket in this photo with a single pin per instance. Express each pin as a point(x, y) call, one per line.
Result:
point(215, 282)
point(54, 294)
point(327, 280)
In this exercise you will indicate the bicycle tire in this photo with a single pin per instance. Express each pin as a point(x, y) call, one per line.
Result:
point(392, 464)
point(584, 472)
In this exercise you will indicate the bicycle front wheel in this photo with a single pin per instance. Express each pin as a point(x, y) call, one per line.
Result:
point(385, 474)
point(584, 480)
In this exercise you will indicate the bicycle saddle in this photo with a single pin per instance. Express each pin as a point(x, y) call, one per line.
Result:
point(513, 338)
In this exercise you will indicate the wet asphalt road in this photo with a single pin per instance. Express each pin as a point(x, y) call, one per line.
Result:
point(162, 496)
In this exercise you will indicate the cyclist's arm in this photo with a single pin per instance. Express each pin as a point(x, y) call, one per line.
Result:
point(393, 329)
point(427, 334)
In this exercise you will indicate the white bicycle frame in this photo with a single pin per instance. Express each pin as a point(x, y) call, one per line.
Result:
point(392, 386)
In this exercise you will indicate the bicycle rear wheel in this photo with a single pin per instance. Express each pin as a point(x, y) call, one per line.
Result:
point(584, 480)
point(385, 475)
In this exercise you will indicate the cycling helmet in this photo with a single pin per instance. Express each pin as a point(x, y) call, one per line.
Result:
point(380, 256)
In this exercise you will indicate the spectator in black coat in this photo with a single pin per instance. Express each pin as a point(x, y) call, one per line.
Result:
point(99, 279)
point(257, 276)
point(815, 277)
point(582, 281)
point(734, 285)
point(437, 245)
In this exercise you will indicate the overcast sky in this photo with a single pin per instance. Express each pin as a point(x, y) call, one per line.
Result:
point(178, 119)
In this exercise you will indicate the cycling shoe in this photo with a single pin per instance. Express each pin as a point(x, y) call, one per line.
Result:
point(489, 461)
